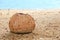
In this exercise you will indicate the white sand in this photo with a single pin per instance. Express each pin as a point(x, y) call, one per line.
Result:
point(47, 25)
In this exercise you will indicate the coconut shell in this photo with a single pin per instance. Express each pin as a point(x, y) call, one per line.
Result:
point(21, 23)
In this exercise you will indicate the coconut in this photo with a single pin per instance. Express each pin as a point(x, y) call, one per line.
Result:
point(21, 23)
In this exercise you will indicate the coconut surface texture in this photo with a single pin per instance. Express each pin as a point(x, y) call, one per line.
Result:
point(21, 23)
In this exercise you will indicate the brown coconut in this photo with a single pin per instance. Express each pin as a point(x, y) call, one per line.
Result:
point(21, 23)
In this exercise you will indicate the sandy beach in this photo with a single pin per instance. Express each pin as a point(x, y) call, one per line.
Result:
point(47, 25)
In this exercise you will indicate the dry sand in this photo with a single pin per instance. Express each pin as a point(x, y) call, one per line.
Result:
point(47, 25)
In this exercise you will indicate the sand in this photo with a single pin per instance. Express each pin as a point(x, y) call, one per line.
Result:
point(47, 25)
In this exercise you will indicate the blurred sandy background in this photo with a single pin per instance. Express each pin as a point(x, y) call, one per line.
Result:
point(47, 25)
